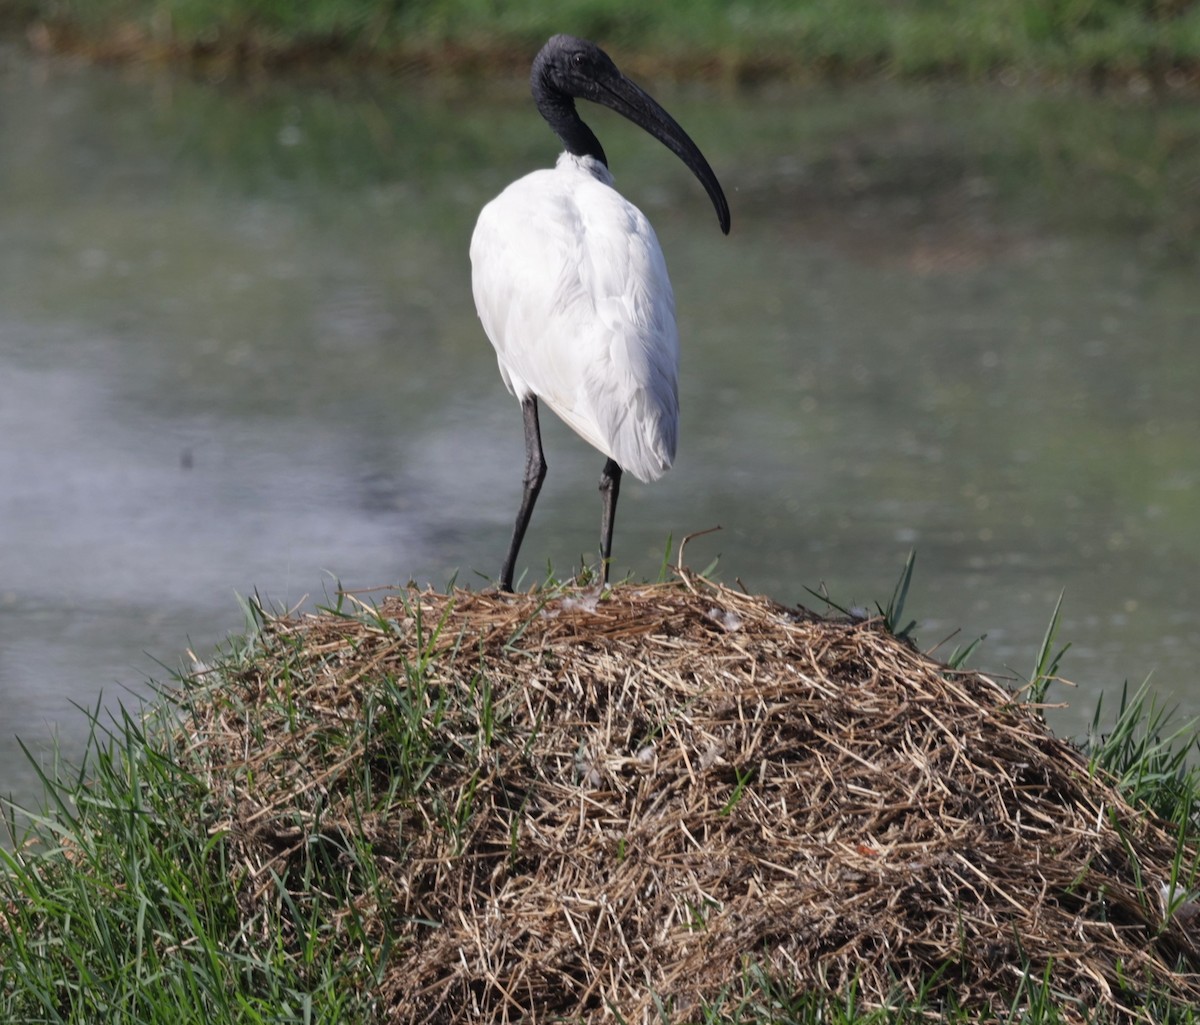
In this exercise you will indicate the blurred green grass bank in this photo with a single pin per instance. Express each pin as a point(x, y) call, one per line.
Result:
point(1156, 42)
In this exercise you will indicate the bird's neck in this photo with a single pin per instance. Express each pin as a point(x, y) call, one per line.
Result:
point(559, 111)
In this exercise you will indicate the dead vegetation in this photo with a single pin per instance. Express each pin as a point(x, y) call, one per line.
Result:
point(548, 806)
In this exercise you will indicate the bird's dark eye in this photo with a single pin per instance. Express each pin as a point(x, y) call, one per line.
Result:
point(577, 59)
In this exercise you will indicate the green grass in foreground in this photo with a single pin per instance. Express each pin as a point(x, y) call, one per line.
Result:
point(921, 36)
point(121, 913)
point(114, 909)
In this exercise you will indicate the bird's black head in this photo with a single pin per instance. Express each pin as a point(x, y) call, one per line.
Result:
point(568, 68)
point(573, 67)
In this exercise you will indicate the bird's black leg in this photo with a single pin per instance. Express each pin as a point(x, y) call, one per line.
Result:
point(535, 473)
point(610, 488)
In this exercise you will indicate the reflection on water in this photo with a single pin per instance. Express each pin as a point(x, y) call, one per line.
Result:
point(238, 353)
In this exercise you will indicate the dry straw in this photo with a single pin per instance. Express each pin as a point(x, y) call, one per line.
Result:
point(622, 804)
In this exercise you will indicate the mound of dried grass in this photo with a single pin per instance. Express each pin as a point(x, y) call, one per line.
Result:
point(620, 804)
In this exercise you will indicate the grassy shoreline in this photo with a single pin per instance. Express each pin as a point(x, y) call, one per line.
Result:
point(468, 806)
point(1104, 40)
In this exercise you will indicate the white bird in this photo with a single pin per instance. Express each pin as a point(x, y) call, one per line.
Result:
point(572, 289)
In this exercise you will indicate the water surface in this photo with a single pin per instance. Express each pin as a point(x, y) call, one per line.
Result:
point(238, 354)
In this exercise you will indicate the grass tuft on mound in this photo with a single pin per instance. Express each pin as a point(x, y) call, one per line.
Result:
point(666, 803)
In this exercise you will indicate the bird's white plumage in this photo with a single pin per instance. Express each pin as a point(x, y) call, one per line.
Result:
point(572, 289)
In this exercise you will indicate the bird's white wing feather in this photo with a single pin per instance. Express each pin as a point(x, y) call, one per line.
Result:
point(572, 289)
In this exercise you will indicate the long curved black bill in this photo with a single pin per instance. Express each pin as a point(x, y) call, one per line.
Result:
point(634, 103)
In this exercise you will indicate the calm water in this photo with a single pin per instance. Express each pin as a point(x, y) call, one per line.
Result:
point(238, 353)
